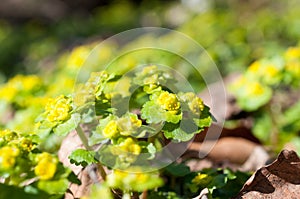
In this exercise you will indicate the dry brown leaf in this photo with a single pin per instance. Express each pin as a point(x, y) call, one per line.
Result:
point(281, 179)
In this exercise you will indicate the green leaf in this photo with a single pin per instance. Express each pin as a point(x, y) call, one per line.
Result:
point(66, 127)
point(252, 103)
point(262, 127)
point(88, 116)
point(82, 157)
point(74, 179)
point(159, 115)
point(290, 119)
point(178, 170)
point(54, 187)
point(13, 192)
point(179, 135)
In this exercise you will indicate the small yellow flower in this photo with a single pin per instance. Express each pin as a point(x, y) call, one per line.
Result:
point(149, 69)
point(130, 146)
point(201, 179)
point(135, 121)
point(58, 109)
point(293, 67)
point(8, 156)
point(5, 132)
point(194, 102)
point(26, 144)
point(111, 129)
point(46, 167)
point(271, 71)
point(19, 84)
point(8, 135)
point(31, 82)
point(254, 67)
point(78, 57)
point(196, 105)
point(254, 88)
point(292, 53)
point(168, 101)
point(8, 93)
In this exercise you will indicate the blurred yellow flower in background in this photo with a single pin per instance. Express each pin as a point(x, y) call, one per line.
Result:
point(78, 57)
point(8, 156)
point(46, 166)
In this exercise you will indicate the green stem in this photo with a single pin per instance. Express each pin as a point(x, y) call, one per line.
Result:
point(274, 113)
point(102, 171)
point(86, 145)
point(83, 138)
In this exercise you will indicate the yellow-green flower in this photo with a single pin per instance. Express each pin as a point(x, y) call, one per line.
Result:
point(149, 70)
point(26, 144)
point(111, 129)
point(7, 135)
point(168, 101)
point(46, 166)
point(134, 179)
point(135, 121)
point(130, 146)
point(202, 179)
point(292, 53)
point(271, 71)
point(20, 85)
point(254, 67)
point(254, 89)
point(151, 83)
point(293, 68)
point(58, 109)
point(194, 102)
point(8, 156)
point(78, 57)
point(8, 93)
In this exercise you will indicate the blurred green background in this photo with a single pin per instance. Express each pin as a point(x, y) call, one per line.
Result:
point(33, 33)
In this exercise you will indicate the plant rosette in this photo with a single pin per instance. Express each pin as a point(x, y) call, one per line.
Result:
point(138, 133)
point(22, 164)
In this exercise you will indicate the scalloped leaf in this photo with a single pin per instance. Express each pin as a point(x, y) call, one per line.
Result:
point(82, 157)
point(66, 127)
point(153, 113)
point(54, 186)
point(179, 135)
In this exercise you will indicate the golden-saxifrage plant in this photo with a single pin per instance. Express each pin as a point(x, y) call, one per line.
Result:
point(268, 89)
point(130, 119)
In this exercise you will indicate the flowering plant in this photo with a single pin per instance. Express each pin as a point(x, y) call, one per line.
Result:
point(128, 137)
point(266, 89)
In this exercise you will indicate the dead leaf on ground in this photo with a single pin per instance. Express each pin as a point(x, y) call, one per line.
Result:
point(281, 179)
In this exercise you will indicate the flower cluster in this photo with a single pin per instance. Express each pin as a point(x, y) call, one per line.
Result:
point(195, 104)
point(168, 101)
point(8, 156)
point(15, 152)
point(123, 133)
point(46, 166)
point(78, 56)
point(256, 86)
point(292, 66)
point(19, 88)
point(58, 109)
point(152, 79)
point(135, 135)
point(135, 180)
